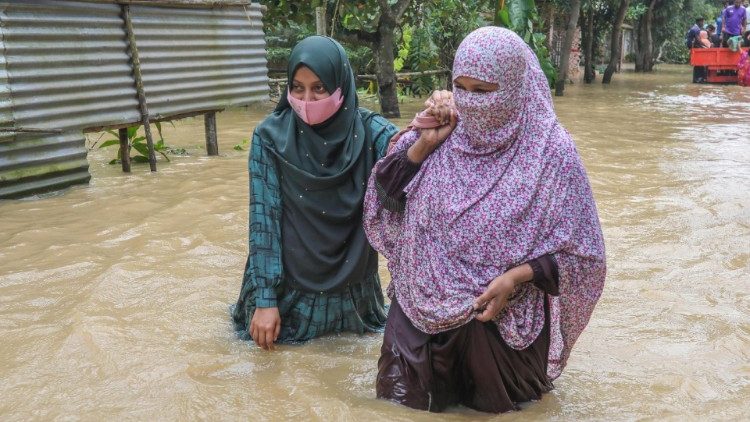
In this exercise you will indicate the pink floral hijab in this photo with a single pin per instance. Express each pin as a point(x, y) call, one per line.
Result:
point(506, 187)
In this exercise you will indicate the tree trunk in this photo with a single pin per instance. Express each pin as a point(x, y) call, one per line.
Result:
point(320, 20)
point(615, 46)
point(644, 59)
point(648, 57)
point(638, 54)
point(588, 48)
point(570, 31)
point(385, 73)
point(382, 46)
point(551, 36)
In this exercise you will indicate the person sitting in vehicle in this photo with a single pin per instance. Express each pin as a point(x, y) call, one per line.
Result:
point(713, 36)
point(692, 34)
point(702, 41)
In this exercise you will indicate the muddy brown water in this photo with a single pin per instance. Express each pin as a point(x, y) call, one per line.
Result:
point(114, 296)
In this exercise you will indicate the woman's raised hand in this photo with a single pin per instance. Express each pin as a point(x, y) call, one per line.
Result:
point(429, 140)
point(440, 105)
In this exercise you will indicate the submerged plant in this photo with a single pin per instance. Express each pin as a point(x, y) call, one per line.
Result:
point(139, 145)
point(242, 146)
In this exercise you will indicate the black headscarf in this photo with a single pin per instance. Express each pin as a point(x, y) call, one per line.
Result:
point(323, 172)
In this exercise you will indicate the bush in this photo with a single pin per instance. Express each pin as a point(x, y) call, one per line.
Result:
point(675, 52)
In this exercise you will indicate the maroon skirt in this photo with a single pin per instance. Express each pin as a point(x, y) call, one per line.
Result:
point(469, 365)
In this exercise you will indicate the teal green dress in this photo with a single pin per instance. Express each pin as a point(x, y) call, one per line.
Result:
point(358, 307)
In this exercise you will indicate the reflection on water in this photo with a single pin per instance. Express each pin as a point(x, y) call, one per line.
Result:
point(114, 296)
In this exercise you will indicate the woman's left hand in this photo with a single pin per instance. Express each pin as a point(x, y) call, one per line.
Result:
point(495, 298)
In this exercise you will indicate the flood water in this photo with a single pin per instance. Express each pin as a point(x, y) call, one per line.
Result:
point(114, 296)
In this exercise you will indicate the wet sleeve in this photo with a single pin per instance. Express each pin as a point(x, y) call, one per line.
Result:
point(263, 269)
point(383, 131)
point(391, 177)
point(546, 276)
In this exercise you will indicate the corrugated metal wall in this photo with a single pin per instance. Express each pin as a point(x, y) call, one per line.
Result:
point(219, 59)
point(65, 67)
point(64, 73)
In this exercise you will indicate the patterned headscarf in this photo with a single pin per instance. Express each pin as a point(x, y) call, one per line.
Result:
point(506, 187)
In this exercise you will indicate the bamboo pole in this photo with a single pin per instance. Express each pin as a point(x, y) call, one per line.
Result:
point(136, 63)
point(124, 149)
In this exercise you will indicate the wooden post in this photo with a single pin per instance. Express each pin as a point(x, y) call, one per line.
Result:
point(212, 144)
point(320, 20)
point(124, 149)
point(136, 62)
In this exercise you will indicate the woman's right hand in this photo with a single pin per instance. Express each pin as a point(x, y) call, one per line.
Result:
point(430, 139)
point(265, 327)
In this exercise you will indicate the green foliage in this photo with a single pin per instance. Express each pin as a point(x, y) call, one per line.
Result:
point(635, 11)
point(424, 56)
point(277, 57)
point(439, 26)
point(242, 146)
point(675, 52)
point(403, 49)
point(521, 17)
point(671, 22)
point(138, 144)
point(428, 38)
point(361, 58)
point(358, 14)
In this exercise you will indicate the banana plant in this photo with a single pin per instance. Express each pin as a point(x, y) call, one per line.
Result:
point(520, 16)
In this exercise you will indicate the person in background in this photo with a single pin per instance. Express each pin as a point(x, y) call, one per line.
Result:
point(693, 32)
point(700, 73)
point(734, 20)
point(743, 69)
point(746, 39)
point(720, 20)
point(712, 36)
point(702, 40)
point(690, 40)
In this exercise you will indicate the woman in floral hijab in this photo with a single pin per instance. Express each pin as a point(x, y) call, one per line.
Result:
point(492, 239)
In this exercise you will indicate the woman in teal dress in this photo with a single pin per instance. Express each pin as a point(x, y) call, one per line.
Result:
point(311, 270)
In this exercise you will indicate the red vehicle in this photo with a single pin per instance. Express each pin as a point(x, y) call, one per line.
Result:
point(717, 60)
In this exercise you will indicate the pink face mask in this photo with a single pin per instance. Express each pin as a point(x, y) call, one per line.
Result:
point(316, 112)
